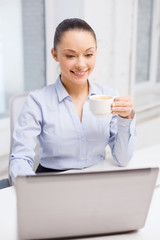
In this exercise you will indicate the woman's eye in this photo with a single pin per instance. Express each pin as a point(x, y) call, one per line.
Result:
point(69, 56)
point(89, 55)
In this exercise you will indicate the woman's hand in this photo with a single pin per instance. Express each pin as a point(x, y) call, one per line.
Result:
point(123, 106)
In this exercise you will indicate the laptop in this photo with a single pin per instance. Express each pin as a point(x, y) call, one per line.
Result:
point(68, 205)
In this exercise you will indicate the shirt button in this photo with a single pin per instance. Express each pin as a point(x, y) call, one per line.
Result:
point(82, 158)
point(82, 139)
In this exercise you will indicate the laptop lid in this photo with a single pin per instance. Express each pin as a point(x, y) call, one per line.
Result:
point(83, 204)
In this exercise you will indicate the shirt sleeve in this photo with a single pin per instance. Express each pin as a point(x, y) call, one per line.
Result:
point(122, 139)
point(27, 128)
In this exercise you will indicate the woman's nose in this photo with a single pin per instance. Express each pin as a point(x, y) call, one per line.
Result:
point(80, 63)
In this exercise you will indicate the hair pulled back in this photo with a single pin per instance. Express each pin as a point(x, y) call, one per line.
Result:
point(71, 24)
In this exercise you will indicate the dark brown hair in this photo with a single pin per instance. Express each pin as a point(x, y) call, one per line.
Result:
point(71, 24)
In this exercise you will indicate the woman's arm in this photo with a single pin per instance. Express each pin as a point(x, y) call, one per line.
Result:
point(27, 128)
point(122, 130)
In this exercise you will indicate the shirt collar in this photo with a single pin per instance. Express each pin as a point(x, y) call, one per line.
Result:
point(62, 92)
point(93, 89)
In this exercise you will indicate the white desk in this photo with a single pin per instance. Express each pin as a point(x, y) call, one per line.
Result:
point(142, 158)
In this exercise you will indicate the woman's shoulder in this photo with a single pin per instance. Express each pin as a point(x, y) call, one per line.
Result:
point(40, 97)
point(44, 92)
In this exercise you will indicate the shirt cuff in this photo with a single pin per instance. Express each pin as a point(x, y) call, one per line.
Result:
point(126, 125)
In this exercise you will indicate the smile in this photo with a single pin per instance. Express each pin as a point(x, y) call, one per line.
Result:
point(79, 73)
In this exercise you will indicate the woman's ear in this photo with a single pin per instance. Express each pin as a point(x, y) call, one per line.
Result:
point(54, 54)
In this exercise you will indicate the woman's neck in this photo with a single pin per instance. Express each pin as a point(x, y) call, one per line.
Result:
point(77, 90)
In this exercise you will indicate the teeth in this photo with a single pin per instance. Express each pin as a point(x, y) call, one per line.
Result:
point(79, 73)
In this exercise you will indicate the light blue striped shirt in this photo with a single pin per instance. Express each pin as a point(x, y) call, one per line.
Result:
point(66, 142)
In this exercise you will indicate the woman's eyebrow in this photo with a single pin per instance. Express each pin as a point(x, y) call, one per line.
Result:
point(90, 48)
point(70, 50)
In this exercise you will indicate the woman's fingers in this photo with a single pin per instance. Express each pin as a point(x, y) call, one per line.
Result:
point(122, 106)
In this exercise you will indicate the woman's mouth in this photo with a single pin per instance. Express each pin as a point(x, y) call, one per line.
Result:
point(79, 74)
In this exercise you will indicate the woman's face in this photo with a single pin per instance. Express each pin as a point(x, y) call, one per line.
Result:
point(76, 54)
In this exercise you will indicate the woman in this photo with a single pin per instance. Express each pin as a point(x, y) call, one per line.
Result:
point(58, 115)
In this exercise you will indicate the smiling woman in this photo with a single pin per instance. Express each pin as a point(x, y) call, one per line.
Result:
point(59, 116)
point(75, 48)
point(76, 54)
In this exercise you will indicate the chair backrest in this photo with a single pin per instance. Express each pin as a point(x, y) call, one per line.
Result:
point(16, 105)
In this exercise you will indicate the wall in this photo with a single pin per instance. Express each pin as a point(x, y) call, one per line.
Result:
point(33, 22)
point(11, 41)
point(10, 13)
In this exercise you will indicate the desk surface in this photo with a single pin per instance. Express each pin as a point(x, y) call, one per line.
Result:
point(142, 158)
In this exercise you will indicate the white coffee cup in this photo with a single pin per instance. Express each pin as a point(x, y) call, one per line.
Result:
point(100, 105)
